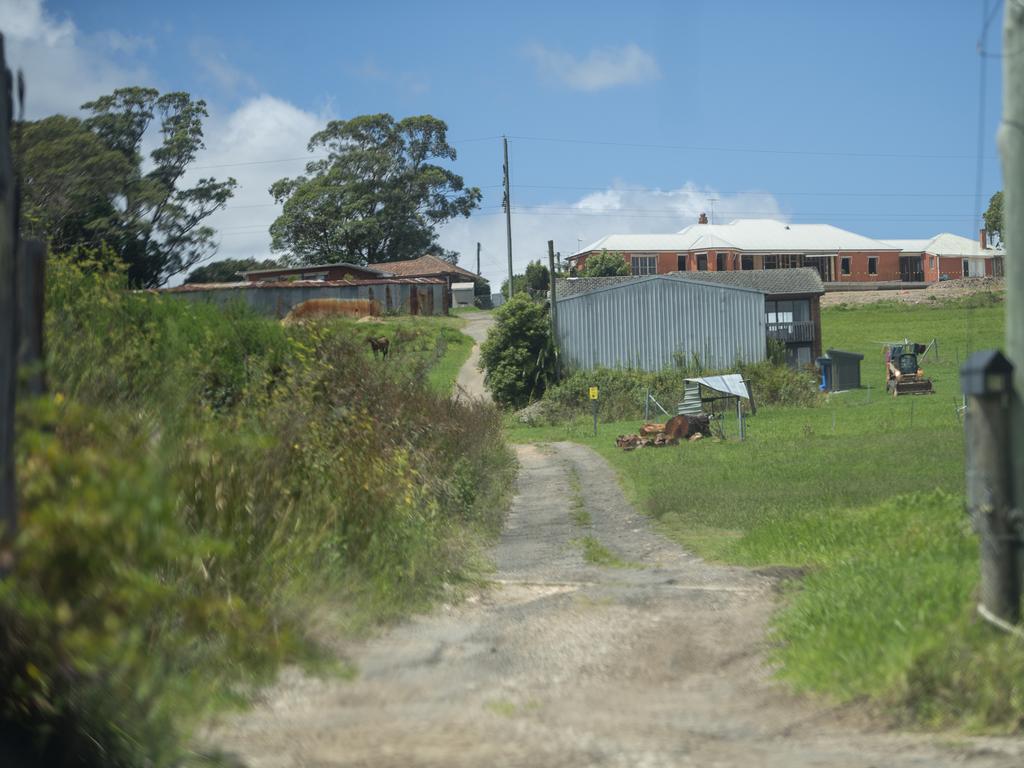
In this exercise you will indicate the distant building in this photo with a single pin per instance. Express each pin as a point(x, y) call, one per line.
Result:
point(463, 294)
point(840, 257)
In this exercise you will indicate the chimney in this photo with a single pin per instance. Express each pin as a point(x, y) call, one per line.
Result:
point(983, 238)
point(703, 219)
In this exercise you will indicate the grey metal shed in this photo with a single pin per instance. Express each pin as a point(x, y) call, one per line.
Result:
point(845, 369)
point(646, 323)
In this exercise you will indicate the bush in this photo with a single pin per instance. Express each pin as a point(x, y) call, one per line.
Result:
point(605, 264)
point(197, 478)
point(517, 357)
point(623, 390)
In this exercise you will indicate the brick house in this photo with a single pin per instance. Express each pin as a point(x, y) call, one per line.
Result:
point(949, 256)
point(838, 255)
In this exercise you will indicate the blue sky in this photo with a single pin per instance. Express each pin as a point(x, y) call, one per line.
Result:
point(859, 114)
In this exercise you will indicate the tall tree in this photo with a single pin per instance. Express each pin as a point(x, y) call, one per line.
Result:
point(83, 182)
point(158, 227)
point(994, 217)
point(376, 197)
point(70, 178)
point(227, 270)
point(605, 264)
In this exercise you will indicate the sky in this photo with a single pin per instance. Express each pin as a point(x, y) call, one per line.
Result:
point(875, 116)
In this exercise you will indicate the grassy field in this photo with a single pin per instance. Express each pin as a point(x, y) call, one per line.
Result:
point(864, 496)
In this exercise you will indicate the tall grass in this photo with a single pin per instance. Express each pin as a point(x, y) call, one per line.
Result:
point(199, 484)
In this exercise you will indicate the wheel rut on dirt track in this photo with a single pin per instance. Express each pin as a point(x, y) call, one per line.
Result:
point(565, 663)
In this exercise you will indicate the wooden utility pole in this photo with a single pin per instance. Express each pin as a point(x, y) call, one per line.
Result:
point(1011, 147)
point(554, 303)
point(8, 317)
point(478, 259)
point(508, 217)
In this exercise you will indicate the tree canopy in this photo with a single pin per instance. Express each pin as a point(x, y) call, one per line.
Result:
point(605, 264)
point(83, 182)
point(376, 196)
point(994, 217)
point(227, 270)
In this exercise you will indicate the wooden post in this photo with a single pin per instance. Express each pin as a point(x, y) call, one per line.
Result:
point(554, 305)
point(8, 318)
point(31, 270)
point(1011, 148)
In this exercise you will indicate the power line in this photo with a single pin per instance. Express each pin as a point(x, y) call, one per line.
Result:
point(750, 150)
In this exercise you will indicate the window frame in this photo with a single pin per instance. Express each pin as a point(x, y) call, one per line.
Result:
point(845, 265)
point(682, 262)
point(872, 265)
point(650, 259)
point(703, 256)
point(721, 261)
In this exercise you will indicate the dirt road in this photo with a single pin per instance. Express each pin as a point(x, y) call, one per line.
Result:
point(470, 379)
point(565, 663)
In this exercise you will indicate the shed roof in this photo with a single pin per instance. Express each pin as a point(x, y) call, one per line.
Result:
point(628, 281)
point(426, 265)
point(770, 281)
point(314, 268)
point(197, 287)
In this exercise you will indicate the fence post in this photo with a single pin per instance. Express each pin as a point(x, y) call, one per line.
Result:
point(8, 318)
point(31, 270)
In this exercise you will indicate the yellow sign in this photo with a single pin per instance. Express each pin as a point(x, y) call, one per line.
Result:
point(593, 393)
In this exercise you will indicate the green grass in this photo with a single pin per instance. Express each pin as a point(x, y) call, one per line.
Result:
point(577, 509)
point(596, 553)
point(864, 492)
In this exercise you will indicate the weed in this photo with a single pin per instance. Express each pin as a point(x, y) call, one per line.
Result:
point(596, 553)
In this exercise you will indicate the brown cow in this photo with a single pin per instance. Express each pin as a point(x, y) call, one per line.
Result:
point(380, 346)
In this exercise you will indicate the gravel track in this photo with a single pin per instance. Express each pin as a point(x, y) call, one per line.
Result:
point(563, 663)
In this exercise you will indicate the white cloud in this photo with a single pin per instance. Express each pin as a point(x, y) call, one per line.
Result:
point(601, 68)
point(216, 67)
point(260, 142)
point(61, 69)
point(621, 209)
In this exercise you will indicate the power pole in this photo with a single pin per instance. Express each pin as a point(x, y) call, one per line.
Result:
point(478, 259)
point(508, 217)
point(554, 302)
point(1011, 144)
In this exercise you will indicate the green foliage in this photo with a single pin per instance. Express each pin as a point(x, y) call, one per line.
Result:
point(517, 357)
point(376, 197)
point(199, 484)
point(84, 182)
point(535, 282)
point(227, 270)
point(623, 390)
point(994, 217)
point(70, 179)
point(605, 264)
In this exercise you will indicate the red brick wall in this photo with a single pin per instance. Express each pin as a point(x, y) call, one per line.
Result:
point(888, 266)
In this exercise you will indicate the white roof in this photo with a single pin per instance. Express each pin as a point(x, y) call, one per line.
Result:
point(768, 235)
point(463, 286)
point(729, 384)
point(946, 244)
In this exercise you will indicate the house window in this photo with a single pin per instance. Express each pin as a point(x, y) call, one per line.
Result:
point(644, 265)
point(967, 268)
point(746, 262)
point(770, 261)
point(682, 262)
point(702, 262)
point(872, 265)
point(720, 261)
point(844, 265)
point(313, 276)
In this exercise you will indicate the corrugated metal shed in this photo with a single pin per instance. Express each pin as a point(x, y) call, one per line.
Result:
point(415, 295)
point(645, 323)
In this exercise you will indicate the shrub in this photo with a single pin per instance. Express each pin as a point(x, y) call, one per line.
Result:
point(623, 390)
point(517, 356)
point(199, 476)
point(605, 264)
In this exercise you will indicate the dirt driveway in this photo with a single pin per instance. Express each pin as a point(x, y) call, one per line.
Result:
point(565, 663)
point(470, 379)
